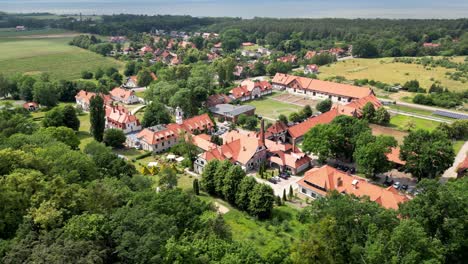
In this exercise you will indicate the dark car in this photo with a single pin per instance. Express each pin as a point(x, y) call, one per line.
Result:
point(404, 187)
point(272, 180)
point(388, 181)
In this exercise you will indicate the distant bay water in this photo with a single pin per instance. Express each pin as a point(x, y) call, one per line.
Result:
point(248, 9)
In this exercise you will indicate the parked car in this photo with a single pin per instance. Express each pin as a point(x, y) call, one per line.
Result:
point(272, 180)
point(404, 187)
point(397, 185)
point(388, 181)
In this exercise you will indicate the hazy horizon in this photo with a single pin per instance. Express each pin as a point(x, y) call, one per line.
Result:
point(249, 8)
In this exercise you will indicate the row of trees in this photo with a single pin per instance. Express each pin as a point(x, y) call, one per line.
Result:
point(221, 178)
point(427, 154)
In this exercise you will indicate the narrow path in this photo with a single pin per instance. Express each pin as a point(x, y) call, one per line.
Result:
point(431, 118)
point(452, 171)
point(136, 110)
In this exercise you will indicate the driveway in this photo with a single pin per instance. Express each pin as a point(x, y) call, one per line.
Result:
point(282, 185)
point(452, 171)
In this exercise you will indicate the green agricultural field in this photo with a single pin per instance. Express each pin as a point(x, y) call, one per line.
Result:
point(51, 55)
point(384, 70)
point(11, 32)
point(271, 109)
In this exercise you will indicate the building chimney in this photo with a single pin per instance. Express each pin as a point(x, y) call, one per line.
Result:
point(262, 128)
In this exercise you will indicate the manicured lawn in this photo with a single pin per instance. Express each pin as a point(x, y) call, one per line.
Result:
point(271, 109)
point(51, 55)
point(400, 122)
point(457, 145)
point(384, 70)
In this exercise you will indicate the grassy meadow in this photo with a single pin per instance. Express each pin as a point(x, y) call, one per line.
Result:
point(48, 51)
point(271, 109)
point(387, 71)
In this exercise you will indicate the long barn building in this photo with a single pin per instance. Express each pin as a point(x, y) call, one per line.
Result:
point(320, 90)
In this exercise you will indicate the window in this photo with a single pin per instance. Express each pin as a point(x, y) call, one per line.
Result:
point(329, 97)
point(314, 93)
point(339, 98)
point(303, 190)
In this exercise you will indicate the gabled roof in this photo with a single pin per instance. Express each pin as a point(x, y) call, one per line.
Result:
point(300, 129)
point(86, 96)
point(326, 178)
point(203, 141)
point(239, 92)
point(394, 156)
point(277, 127)
point(120, 114)
point(310, 54)
point(121, 93)
point(217, 99)
point(332, 88)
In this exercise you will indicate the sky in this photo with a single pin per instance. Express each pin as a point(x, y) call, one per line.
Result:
point(251, 8)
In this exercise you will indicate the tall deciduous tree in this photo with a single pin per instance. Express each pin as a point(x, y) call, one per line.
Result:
point(261, 201)
point(97, 117)
point(324, 106)
point(371, 157)
point(231, 183)
point(427, 154)
point(155, 114)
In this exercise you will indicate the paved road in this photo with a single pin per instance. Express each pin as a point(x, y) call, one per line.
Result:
point(451, 172)
point(419, 116)
point(423, 107)
point(280, 186)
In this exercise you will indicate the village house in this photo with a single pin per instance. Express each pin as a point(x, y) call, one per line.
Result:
point(238, 71)
point(243, 149)
point(264, 51)
point(162, 137)
point(286, 157)
point(217, 47)
point(288, 59)
point(83, 99)
point(354, 108)
point(394, 157)
point(318, 89)
point(146, 49)
point(132, 81)
point(124, 96)
point(318, 182)
point(20, 28)
point(311, 69)
point(249, 90)
point(31, 106)
point(230, 112)
point(250, 54)
point(119, 117)
point(431, 45)
point(217, 99)
point(277, 132)
point(310, 54)
point(118, 39)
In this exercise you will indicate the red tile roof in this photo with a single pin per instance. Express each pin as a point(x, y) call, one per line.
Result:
point(240, 92)
point(328, 179)
point(121, 93)
point(394, 156)
point(338, 89)
point(120, 115)
point(310, 54)
point(355, 107)
point(217, 99)
point(277, 127)
point(300, 129)
point(86, 96)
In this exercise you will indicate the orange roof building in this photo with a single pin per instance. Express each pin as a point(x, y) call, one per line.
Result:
point(318, 89)
point(249, 90)
point(244, 149)
point(121, 118)
point(297, 132)
point(125, 96)
point(355, 107)
point(394, 156)
point(162, 137)
point(83, 99)
point(318, 182)
point(462, 168)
